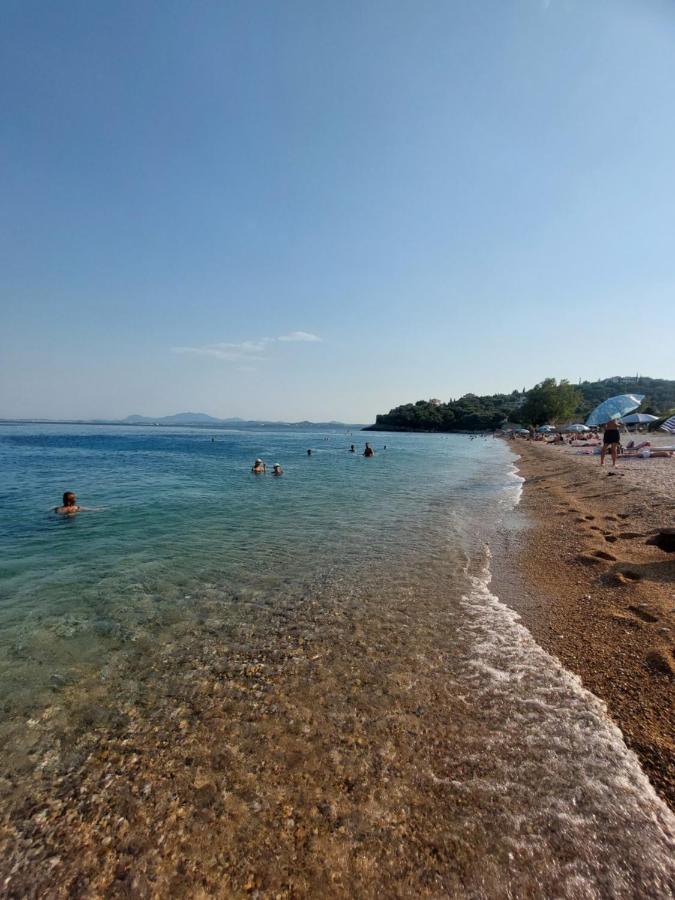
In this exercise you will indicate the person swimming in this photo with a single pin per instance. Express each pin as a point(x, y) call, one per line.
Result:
point(277, 470)
point(352, 449)
point(369, 450)
point(309, 452)
point(259, 467)
point(70, 506)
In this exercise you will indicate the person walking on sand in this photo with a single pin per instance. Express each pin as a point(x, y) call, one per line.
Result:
point(611, 441)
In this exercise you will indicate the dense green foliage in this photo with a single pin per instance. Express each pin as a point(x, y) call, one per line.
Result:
point(546, 402)
point(550, 402)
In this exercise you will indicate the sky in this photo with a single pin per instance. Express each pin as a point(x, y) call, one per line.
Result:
point(308, 210)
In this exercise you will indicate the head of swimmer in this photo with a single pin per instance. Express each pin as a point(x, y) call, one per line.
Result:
point(69, 499)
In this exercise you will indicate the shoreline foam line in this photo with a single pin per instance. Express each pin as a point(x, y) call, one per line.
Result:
point(593, 777)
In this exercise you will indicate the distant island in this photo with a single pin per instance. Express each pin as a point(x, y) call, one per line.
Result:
point(544, 402)
point(201, 420)
point(190, 420)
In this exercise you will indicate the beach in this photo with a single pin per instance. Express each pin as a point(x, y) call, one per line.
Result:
point(592, 590)
point(312, 688)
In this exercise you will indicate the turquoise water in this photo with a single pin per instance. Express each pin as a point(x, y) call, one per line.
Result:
point(333, 633)
point(178, 510)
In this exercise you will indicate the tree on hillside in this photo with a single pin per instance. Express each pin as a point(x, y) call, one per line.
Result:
point(547, 401)
point(550, 401)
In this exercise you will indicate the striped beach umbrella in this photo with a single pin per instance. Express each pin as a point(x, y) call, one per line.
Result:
point(668, 425)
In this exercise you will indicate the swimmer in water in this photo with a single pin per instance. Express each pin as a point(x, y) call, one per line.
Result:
point(352, 449)
point(277, 470)
point(369, 450)
point(259, 467)
point(309, 453)
point(70, 506)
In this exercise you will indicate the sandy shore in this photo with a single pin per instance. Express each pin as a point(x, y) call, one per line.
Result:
point(595, 594)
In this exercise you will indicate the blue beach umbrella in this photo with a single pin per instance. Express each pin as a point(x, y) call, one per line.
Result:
point(576, 427)
point(544, 429)
point(614, 408)
point(637, 419)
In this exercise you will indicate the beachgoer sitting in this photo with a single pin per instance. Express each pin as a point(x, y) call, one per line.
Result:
point(369, 450)
point(258, 467)
point(277, 470)
point(70, 506)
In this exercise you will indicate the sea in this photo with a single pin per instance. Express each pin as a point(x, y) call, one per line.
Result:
point(336, 631)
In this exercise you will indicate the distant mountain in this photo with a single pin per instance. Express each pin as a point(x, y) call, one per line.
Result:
point(186, 418)
point(190, 419)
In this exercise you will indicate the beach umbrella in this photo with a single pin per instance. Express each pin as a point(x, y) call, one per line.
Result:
point(637, 419)
point(614, 408)
point(576, 427)
point(668, 425)
point(522, 430)
point(543, 429)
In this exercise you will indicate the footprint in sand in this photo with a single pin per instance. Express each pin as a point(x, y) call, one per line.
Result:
point(611, 538)
point(661, 662)
point(629, 575)
point(622, 579)
point(589, 518)
point(628, 621)
point(603, 554)
point(643, 613)
point(595, 558)
point(587, 560)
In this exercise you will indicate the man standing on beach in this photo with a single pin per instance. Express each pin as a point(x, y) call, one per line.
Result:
point(611, 440)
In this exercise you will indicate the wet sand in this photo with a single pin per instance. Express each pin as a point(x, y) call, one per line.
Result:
point(595, 594)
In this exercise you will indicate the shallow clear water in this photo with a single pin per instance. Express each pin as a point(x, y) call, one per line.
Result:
point(360, 586)
point(179, 511)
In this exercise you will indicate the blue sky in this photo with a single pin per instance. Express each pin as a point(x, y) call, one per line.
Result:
point(311, 210)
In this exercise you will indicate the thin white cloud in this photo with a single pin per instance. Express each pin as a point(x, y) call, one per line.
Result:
point(246, 351)
point(299, 336)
